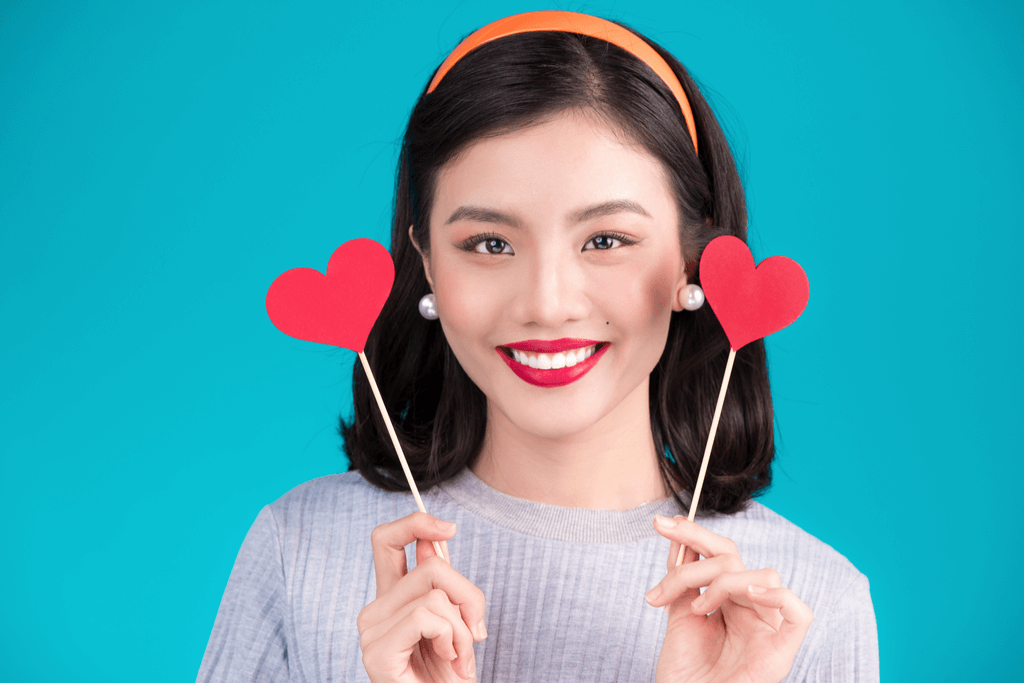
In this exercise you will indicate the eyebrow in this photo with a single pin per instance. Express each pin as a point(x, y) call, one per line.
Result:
point(478, 213)
point(607, 209)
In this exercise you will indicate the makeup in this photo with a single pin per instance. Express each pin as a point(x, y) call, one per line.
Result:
point(552, 363)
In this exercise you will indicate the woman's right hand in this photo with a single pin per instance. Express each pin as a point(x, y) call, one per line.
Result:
point(422, 626)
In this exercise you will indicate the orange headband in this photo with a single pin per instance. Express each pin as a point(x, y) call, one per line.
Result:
point(573, 22)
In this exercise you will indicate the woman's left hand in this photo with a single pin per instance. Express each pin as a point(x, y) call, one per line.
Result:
point(754, 627)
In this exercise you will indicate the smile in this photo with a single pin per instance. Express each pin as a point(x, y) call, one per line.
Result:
point(552, 363)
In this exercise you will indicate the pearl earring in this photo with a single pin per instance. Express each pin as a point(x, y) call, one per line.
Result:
point(694, 297)
point(428, 307)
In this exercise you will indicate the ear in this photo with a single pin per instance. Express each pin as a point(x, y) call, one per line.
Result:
point(680, 294)
point(426, 260)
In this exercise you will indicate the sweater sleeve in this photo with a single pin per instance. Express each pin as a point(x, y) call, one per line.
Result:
point(850, 651)
point(248, 641)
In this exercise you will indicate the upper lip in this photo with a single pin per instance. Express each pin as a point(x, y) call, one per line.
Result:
point(551, 345)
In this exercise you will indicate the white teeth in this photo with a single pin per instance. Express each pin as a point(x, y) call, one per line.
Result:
point(553, 361)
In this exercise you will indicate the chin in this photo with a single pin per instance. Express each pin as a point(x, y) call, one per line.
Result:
point(555, 419)
point(543, 427)
point(557, 413)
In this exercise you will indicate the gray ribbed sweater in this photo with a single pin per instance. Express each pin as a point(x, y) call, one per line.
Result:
point(564, 587)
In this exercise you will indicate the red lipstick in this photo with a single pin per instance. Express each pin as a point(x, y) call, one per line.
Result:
point(552, 378)
point(551, 345)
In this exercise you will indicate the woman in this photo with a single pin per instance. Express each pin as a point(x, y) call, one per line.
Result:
point(552, 376)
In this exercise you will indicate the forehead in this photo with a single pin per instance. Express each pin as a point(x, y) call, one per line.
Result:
point(564, 161)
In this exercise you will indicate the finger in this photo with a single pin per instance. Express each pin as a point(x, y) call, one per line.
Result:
point(694, 535)
point(734, 587)
point(681, 581)
point(797, 616)
point(437, 602)
point(688, 555)
point(390, 653)
point(432, 573)
point(673, 555)
point(735, 583)
point(425, 549)
point(389, 540)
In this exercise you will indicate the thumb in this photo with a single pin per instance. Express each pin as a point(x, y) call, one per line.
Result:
point(690, 594)
point(425, 548)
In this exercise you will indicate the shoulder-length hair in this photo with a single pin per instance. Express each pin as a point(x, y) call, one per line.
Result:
point(439, 413)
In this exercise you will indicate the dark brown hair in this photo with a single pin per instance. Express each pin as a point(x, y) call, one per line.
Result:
point(438, 412)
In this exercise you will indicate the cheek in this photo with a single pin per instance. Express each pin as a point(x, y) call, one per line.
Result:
point(658, 291)
point(639, 300)
point(470, 305)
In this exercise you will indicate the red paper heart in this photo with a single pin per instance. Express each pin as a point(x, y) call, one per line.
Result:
point(750, 302)
point(339, 308)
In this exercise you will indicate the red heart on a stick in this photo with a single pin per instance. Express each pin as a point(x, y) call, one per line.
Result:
point(750, 302)
point(339, 308)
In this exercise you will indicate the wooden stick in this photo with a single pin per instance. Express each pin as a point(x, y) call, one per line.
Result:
point(707, 449)
point(398, 446)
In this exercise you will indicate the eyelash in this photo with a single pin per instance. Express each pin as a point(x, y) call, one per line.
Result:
point(473, 242)
point(624, 239)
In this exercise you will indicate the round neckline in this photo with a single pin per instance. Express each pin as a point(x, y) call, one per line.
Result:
point(575, 525)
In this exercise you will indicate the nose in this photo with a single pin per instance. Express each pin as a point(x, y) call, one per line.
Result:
point(551, 292)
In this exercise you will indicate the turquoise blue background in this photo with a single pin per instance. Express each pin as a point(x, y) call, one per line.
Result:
point(162, 162)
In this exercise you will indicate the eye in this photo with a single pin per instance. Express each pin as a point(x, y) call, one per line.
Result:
point(487, 244)
point(607, 241)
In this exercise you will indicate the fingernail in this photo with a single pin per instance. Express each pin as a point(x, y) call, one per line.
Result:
point(756, 589)
point(446, 527)
point(480, 631)
point(665, 521)
point(653, 594)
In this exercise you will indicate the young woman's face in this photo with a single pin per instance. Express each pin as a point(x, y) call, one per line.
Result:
point(556, 263)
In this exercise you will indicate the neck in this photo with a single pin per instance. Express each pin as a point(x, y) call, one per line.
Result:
point(611, 465)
